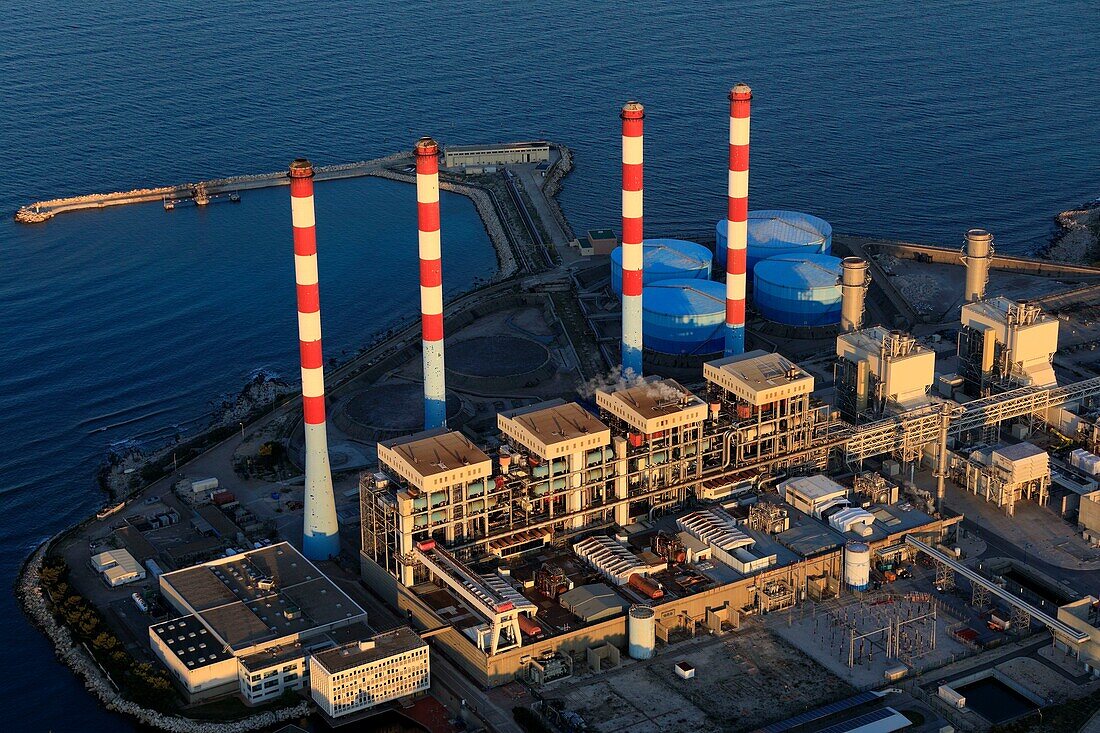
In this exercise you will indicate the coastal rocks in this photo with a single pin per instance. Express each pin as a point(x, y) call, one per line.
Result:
point(259, 394)
point(1078, 236)
point(76, 658)
point(553, 186)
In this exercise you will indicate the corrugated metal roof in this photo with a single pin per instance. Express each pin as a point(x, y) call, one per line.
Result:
point(669, 255)
point(684, 296)
point(799, 271)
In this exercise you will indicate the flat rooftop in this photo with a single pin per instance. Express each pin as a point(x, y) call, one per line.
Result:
point(870, 340)
point(191, 642)
point(358, 653)
point(552, 423)
point(807, 537)
point(523, 145)
point(653, 404)
point(260, 595)
point(759, 376)
point(433, 452)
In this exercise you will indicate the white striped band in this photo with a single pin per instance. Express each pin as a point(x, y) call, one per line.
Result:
point(429, 245)
point(737, 233)
point(632, 150)
point(735, 288)
point(313, 382)
point(427, 188)
point(305, 269)
point(431, 300)
point(301, 212)
point(632, 204)
point(309, 326)
point(739, 130)
point(738, 184)
point(632, 257)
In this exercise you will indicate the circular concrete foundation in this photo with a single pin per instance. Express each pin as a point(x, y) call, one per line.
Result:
point(490, 363)
point(389, 410)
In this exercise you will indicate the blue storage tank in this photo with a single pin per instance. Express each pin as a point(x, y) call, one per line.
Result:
point(663, 259)
point(773, 232)
point(799, 290)
point(684, 316)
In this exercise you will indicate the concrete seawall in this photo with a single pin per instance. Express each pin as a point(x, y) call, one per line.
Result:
point(948, 256)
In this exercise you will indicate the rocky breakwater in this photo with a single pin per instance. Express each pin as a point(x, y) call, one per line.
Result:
point(73, 654)
point(552, 186)
point(1077, 238)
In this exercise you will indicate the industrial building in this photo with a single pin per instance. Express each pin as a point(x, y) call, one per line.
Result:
point(361, 674)
point(1004, 344)
point(249, 624)
point(449, 529)
point(465, 156)
point(881, 372)
point(117, 567)
point(579, 529)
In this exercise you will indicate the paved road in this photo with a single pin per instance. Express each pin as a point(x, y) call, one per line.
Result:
point(1084, 581)
point(532, 183)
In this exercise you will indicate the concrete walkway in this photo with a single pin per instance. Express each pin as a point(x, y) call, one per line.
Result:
point(532, 183)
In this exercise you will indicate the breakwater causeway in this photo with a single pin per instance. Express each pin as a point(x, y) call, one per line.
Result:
point(41, 211)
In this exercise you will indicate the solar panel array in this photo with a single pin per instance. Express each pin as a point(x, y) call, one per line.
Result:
point(858, 722)
point(822, 712)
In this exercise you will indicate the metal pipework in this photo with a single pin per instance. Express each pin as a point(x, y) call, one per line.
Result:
point(977, 256)
point(854, 282)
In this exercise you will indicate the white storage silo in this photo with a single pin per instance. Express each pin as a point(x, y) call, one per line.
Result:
point(857, 565)
point(641, 632)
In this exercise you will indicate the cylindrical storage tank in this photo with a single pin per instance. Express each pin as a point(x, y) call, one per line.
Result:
point(641, 631)
point(684, 316)
point(798, 290)
point(663, 259)
point(773, 232)
point(857, 565)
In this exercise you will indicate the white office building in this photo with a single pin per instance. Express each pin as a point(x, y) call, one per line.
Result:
point(363, 674)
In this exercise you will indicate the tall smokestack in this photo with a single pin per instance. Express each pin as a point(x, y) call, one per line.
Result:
point(632, 116)
point(431, 282)
point(321, 533)
point(979, 252)
point(853, 289)
point(737, 217)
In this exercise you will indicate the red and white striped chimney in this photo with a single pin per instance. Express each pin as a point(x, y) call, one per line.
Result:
point(632, 115)
point(431, 282)
point(321, 533)
point(737, 216)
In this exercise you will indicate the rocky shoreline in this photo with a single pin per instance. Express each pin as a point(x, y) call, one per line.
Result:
point(75, 657)
point(1077, 238)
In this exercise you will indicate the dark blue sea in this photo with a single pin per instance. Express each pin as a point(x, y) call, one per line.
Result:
point(908, 120)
